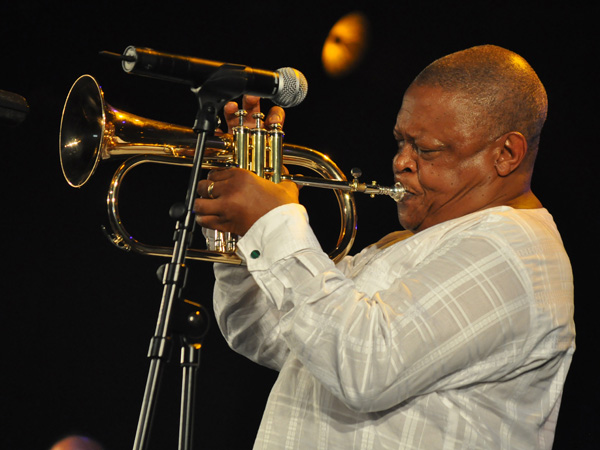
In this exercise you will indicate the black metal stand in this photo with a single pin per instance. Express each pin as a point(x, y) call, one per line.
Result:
point(173, 278)
point(195, 326)
point(212, 95)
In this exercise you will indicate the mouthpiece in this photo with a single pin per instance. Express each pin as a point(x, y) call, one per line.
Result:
point(397, 191)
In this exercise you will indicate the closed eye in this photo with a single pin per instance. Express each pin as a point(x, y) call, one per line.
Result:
point(402, 142)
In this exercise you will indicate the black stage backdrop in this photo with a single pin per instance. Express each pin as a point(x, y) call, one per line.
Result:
point(78, 314)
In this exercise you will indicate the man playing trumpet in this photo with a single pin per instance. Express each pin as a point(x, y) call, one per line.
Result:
point(456, 332)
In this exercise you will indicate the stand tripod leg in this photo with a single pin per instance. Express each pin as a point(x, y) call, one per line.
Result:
point(190, 361)
point(147, 410)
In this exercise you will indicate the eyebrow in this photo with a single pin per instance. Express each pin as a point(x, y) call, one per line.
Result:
point(436, 144)
point(398, 132)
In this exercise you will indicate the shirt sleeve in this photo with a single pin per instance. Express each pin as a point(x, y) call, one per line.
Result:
point(461, 316)
point(249, 310)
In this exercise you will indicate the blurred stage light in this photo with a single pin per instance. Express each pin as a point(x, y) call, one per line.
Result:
point(346, 44)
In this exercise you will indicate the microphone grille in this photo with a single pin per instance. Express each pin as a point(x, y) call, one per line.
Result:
point(292, 88)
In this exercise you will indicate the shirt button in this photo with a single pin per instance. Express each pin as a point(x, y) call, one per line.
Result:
point(254, 254)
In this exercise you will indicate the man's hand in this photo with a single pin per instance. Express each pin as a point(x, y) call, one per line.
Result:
point(251, 104)
point(233, 199)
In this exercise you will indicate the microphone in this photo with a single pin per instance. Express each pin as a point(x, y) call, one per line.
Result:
point(286, 87)
point(13, 108)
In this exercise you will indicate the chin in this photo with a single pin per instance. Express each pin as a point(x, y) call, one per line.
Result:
point(402, 217)
point(406, 223)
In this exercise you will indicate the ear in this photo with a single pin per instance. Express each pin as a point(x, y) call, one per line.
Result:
point(512, 151)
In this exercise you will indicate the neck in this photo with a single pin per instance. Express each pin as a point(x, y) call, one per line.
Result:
point(527, 200)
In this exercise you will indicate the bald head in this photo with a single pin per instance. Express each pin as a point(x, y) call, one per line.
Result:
point(76, 443)
point(505, 91)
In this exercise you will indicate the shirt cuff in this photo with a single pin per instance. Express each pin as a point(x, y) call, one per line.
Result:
point(278, 234)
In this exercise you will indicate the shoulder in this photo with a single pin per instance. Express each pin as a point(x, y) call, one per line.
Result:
point(528, 238)
point(526, 226)
point(500, 222)
point(516, 234)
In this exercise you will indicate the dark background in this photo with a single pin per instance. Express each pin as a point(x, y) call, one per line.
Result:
point(77, 314)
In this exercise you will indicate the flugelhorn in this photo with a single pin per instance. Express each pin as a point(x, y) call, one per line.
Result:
point(91, 131)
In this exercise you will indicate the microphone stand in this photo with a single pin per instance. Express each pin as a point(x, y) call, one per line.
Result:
point(212, 95)
point(197, 325)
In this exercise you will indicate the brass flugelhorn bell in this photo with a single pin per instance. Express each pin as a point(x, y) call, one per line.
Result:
point(92, 131)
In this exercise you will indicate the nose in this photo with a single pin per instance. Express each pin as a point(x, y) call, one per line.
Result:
point(404, 160)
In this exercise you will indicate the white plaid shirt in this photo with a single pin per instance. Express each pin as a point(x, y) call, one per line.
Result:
point(457, 337)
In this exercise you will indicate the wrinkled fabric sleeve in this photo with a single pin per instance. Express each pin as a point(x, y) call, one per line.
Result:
point(247, 315)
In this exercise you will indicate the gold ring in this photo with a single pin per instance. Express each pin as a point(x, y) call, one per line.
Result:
point(210, 189)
